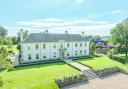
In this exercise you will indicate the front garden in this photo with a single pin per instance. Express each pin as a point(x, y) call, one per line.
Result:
point(102, 62)
point(36, 77)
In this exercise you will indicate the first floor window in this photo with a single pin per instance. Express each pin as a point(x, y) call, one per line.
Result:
point(28, 48)
point(68, 54)
point(68, 45)
point(61, 45)
point(29, 57)
point(37, 56)
point(80, 44)
point(54, 46)
point(44, 46)
point(37, 46)
point(76, 45)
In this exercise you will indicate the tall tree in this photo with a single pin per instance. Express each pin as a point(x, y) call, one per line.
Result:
point(119, 33)
point(3, 32)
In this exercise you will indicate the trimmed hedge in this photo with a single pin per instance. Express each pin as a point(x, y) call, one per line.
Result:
point(61, 82)
point(107, 71)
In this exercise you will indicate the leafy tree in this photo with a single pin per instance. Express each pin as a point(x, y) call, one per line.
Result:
point(119, 34)
point(1, 40)
point(5, 59)
point(18, 47)
point(3, 32)
point(93, 47)
point(9, 43)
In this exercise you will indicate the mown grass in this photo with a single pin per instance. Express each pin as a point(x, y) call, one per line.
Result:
point(36, 77)
point(102, 62)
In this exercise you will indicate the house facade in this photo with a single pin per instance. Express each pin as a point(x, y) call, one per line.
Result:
point(47, 46)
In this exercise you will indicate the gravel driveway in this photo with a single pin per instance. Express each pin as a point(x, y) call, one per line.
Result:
point(115, 81)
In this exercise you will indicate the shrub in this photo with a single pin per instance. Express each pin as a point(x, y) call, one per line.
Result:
point(71, 79)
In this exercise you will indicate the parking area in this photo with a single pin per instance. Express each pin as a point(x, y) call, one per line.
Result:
point(114, 81)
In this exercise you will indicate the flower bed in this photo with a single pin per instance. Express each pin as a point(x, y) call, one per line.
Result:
point(71, 80)
point(107, 71)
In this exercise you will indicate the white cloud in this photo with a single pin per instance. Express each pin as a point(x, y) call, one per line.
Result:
point(116, 11)
point(53, 23)
point(76, 2)
point(73, 26)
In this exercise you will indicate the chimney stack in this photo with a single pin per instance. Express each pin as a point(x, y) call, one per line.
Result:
point(21, 35)
point(66, 32)
point(83, 34)
point(46, 31)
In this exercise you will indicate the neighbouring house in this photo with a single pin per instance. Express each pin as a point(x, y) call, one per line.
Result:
point(47, 46)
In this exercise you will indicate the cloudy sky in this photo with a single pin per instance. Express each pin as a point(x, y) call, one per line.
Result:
point(95, 17)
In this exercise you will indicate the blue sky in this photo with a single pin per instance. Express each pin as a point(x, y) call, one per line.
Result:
point(95, 17)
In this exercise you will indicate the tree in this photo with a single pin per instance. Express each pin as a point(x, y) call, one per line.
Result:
point(119, 34)
point(9, 43)
point(1, 40)
point(93, 47)
point(19, 47)
point(5, 59)
point(3, 32)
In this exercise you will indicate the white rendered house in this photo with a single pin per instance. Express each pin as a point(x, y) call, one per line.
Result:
point(47, 46)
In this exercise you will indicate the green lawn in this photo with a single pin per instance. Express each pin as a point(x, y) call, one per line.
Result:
point(36, 77)
point(102, 62)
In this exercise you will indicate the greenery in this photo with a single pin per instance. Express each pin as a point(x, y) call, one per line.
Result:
point(3, 32)
point(93, 47)
point(119, 34)
point(36, 77)
point(9, 43)
point(5, 59)
point(102, 62)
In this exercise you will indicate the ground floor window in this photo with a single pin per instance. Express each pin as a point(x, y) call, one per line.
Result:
point(80, 52)
point(85, 51)
point(44, 56)
point(37, 56)
point(68, 54)
point(29, 57)
point(54, 56)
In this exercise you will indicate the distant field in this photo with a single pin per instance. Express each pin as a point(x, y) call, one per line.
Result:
point(36, 77)
point(101, 62)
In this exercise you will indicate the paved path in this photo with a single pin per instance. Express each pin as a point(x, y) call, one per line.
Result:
point(84, 69)
point(115, 81)
point(77, 65)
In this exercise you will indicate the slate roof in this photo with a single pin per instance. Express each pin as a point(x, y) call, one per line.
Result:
point(47, 37)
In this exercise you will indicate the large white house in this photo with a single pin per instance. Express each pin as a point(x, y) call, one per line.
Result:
point(47, 46)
